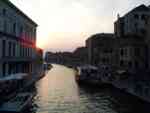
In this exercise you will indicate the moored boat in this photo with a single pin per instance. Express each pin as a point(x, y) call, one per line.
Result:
point(18, 103)
point(88, 74)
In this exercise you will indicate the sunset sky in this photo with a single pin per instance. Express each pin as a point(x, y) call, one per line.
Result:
point(66, 24)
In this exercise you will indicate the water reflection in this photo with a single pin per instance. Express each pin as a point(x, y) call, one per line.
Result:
point(59, 93)
point(57, 90)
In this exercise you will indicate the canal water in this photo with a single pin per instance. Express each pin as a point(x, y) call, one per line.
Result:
point(58, 92)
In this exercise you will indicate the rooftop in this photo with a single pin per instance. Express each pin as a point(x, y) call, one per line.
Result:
point(101, 35)
point(10, 4)
point(139, 8)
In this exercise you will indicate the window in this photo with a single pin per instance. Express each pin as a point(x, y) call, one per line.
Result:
point(130, 64)
point(28, 52)
point(20, 51)
point(9, 49)
point(14, 49)
point(21, 30)
point(143, 17)
point(121, 63)
point(25, 52)
point(34, 32)
point(4, 69)
point(136, 64)
point(14, 28)
point(122, 52)
point(136, 16)
point(10, 69)
point(136, 27)
point(4, 12)
point(3, 48)
point(5, 26)
point(137, 51)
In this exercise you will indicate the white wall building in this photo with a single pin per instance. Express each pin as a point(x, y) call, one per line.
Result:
point(17, 40)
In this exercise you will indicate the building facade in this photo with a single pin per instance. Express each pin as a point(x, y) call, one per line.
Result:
point(131, 54)
point(100, 49)
point(133, 23)
point(129, 47)
point(81, 55)
point(132, 33)
point(17, 40)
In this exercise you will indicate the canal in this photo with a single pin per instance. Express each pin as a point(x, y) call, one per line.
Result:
point(58, 92)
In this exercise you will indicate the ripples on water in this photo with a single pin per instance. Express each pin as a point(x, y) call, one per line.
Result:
point(59, 93)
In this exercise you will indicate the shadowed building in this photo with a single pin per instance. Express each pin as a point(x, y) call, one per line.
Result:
point(51, 57)
point(95, 45)
point(100, 49)
point(17, 40)
point(148, 41)
point(76, 58)
point(133, 23)
point(39, 60)
point(128, 49)
point(132, 35)
point(131, 54)
point(81, 55)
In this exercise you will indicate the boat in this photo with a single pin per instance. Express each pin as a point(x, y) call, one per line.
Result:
point(11, 84)
point(88, 74)
point(18, 103)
